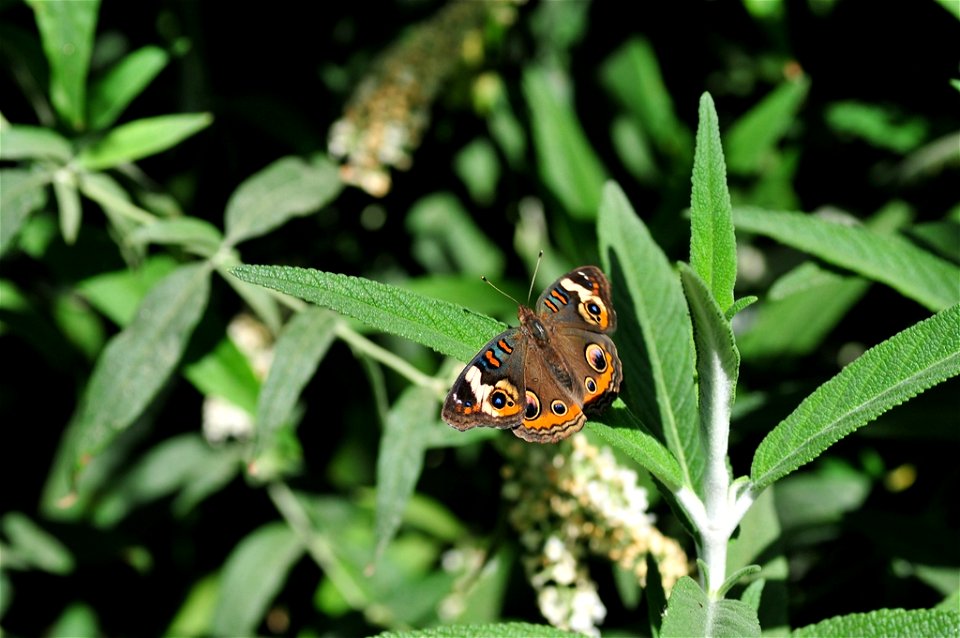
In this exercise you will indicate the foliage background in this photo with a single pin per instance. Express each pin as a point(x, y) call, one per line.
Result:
point(276, 77)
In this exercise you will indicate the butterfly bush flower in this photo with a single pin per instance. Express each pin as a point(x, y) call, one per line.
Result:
point(222, 419)
point(570, 504)
point(390, 108)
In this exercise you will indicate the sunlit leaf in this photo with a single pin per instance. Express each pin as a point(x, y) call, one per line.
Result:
point(141, 138)
point(885, 376)
point(123, 82)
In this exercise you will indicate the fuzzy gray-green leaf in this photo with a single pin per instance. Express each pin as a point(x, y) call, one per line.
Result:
point(32, 142)
point(887, 375)
point(447, 328)
point(21, 193)
point(287, 188)
point(713, 245)
point(137, 362)
point(252, 576)
point(690, 613)
point(400, 459)
point(892, 260)
point(298, 352)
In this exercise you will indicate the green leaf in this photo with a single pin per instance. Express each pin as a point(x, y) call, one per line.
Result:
point(68, 203)
point(252, 576)
point(632, 75)
point(33, 142)
point(888, 374)
point(718, 367)
point(691, 613)
point(77, 619)
point(886, 623)
point(821, 497)
point(114, 91)
point(181, 463)
point(892, 260)
point(567, 163)
point(21, 193)
point(444, 327)
point(137, 362)
point(878, 125)
point(478, 167)
point(194, 235)
point(117, 294)
point(739, 305)
point(622, 432)
point(801, 308)
point(290, 187)
point(654, 333)
point(441, 226)
point(141, 138)
point(760, 540)
point(713, 246)
point(400, 459)
point(67, 30)
point(496, 630)
point(298, 351)
point(225, 372)
point(30, 546)
point(752, 139)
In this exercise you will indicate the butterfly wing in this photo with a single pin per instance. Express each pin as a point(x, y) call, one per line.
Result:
point(580, 299)
point(490, 390)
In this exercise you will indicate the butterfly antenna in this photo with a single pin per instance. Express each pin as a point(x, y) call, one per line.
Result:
point(489, 283)
point(533, 279)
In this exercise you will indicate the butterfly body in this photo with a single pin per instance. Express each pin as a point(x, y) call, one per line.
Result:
point(541, 378)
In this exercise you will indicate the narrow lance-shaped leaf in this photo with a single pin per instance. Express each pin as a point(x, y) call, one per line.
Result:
point(567, 162)
point(888, 374)
point(299, 349)
point(287, 188)
point(67, 30)
point(137, 362)
point(400, 459)
point(490, 630)
point(141, 138)
point(252, 577)
point(691, 613)
point(21, 193)
point(718, 365)
point(620, 430)
point(447, 328)
point(653, 333)
point(19, 142)
point(713, 246)
point(632, 74)
point(111, 94)
point(753, 137)
point(889, 623)
point(68, 202)
point(892, 260)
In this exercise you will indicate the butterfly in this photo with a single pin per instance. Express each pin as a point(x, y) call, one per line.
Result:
point(542, 378)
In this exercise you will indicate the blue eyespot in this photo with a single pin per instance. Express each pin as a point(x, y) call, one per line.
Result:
point(498, 400)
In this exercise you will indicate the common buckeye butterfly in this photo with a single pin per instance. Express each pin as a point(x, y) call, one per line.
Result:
point(542, 378)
